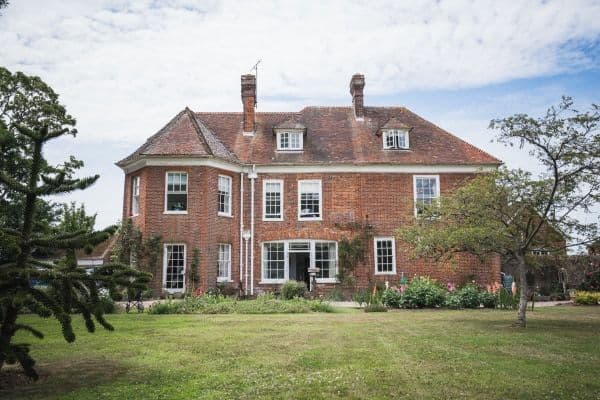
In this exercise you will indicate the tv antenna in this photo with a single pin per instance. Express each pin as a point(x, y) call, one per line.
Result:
point(255, 69)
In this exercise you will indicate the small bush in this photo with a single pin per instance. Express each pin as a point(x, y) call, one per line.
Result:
point(362, 296)
point(219, 304)
point(454, 301)
point(335, 295)
point(423, 292)
point(587, 298)
point(167, 307)
point(107, 304)
point(469, 296)
point(591, 281)
point(375, 307)
point(507, 300)
point(488, 299)
point(293, 289)
point(392, 298)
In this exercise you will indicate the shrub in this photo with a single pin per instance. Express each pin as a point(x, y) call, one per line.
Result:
point(167, 307)
point(335, 295)
point(107, 304)
point(469, 296)
point(591, 281)
point(362, 296)
point(293, 289)
point(219, 304)
point(375, 307)
point(507, 300)
point(392, 298)
point(423, 292)
point(488, 299)
point(587, 298)
point(453, 301)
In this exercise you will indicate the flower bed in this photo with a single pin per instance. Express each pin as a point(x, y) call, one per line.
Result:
point(218, 304)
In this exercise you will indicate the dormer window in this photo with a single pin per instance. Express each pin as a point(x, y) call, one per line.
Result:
point(395, 139)
point(289, 140)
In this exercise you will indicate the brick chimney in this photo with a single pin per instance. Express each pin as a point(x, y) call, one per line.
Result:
point(357, 84)
point(249, 101)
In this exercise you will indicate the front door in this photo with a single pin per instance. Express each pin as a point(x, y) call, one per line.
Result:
point(299, 262)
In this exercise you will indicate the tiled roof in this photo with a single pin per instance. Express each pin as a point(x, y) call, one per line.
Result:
point(333, 136)
point(184, 135)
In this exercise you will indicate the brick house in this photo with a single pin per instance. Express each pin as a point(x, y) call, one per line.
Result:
point(263, 196)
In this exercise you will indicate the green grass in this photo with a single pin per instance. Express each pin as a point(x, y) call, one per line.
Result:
point(402, 354)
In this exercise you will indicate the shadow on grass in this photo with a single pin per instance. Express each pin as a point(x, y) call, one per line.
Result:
point(58, 378)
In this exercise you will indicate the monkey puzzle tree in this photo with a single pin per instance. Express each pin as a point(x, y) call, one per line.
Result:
point(30, 117)
point(511, 212)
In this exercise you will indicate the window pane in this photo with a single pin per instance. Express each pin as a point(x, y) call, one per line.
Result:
point(176, 202)
point(224, 261)
point(426, 192)
point(284, 141)
point(325, 260)
point(310, 200)
point(273, 200)
point(274, 261)
point(174, 270)
point(224, 194)
point(385, 255)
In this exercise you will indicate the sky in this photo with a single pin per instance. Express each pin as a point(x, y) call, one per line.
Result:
point(125, 68)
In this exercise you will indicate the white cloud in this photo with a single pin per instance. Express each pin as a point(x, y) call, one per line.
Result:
point(124, 68)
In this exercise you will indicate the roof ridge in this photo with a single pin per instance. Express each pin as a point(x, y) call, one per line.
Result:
point(205, 130)
point(199, 132)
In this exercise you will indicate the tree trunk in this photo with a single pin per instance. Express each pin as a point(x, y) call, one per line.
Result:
point(7, 330)
point(521, 318)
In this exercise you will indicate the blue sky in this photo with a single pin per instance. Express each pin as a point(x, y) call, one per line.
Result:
point(124, 68)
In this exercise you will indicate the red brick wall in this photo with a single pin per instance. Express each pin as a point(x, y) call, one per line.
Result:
point(383, 200)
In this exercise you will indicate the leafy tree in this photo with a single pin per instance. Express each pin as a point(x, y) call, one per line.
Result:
point(31, 117)
point(511, 212)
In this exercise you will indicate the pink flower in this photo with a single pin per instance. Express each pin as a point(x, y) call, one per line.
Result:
point(451, 287)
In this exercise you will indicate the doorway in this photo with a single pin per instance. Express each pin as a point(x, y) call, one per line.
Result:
point(299, 262)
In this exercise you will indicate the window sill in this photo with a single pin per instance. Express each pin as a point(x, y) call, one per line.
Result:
point(174, 290)
point(272, 282)
point(295, 151)
point(175, 212)
point(327, 280)
point(225, 215)
point(272, 219)
point(224, 280)
point(134, 215)
point(385, 273)
point(310, 219)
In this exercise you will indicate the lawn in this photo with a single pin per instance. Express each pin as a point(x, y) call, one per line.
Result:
point(402, 354)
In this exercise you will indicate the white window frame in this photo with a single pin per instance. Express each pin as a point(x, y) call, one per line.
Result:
point(187, 190)
point(300, 146)
point(229, 202)
point(165, 262)
point(228, 260)
point(309, 181)
point(286, 260)
point(389, 132)
point(437, 188)
point(264, 216)
point(135, 196)
point(380, 239)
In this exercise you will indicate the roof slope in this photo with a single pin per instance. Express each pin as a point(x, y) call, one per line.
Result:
point(184, 135)
point(333, 136)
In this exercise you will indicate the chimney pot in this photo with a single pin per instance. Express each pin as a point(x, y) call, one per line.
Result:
point(249, 101)
point(357, 84)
